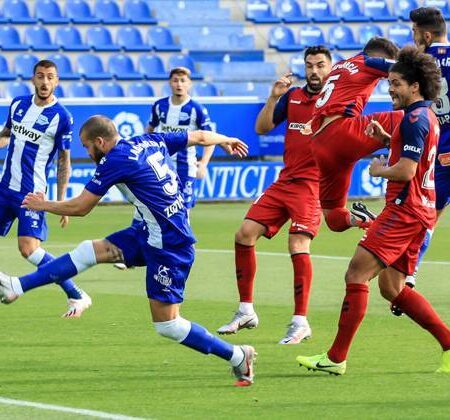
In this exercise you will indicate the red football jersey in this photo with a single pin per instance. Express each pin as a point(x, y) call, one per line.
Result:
point(416, 138)
point(296, 106)
point(349, 86)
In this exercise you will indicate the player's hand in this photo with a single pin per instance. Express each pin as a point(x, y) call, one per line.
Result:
point(234, 146)
point(375, 130)
point(34, 201)
point(64, 221)
point(306, 130)
point(282, 85)
point(201, 170)
point(376, 166)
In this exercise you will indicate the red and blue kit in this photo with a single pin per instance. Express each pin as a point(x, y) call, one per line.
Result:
point(397, 234)
point(295, 195)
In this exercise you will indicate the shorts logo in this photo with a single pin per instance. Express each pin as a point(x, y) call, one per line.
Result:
point(32, 214)
point(444, 159)
point(34, 224)
point(299, 226)
point(163, 276)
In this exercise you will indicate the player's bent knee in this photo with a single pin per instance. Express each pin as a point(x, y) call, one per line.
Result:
point(176, 329)
point(83, 256)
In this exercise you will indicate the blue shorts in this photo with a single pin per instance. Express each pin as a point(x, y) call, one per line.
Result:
point(442, 185)
point(187, 189)
point(167, 270)
point(30, 223)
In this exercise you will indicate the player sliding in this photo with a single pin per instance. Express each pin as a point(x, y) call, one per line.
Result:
point(391, 245)
point(338, 128)
point(141, 167)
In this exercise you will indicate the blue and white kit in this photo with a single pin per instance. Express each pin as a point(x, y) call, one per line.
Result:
point(37, 133)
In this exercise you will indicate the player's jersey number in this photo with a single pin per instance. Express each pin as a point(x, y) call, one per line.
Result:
point(442, 105)
point(162, 171)
point(428, 178)
point(327, 90)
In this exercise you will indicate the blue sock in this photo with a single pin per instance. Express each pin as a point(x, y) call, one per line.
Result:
point(423, 249)
point(70, 288)
point(55, 271)
point(203, 341)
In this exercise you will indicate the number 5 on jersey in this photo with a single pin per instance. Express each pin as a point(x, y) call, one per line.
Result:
point(162, 171)
point(327, 90)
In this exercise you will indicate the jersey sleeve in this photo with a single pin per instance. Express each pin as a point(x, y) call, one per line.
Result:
point(173, 141)
point(203, 120)
point(379, 64)
point(154, 119)
point(108, 173)
point(414, 129)
point(8, 122)
point(63, 137)
point(281, 108)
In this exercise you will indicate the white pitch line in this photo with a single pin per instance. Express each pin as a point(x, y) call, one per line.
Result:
point(82, 411)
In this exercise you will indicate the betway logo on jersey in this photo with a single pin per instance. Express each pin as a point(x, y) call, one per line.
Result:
point(21, 130)
point(351, 67)
point(410, 148)
point(172, 128)
point(296, 126)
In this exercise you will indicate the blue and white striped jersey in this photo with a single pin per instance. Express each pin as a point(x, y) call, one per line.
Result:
point(37, 132)
point(188, 116)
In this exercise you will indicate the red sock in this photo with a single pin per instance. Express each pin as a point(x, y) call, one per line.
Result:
point(245, 260)
point(302, 282)
point(338, 219)
point(352, 313)
point(413, 304)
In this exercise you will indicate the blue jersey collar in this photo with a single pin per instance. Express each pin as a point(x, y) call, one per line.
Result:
point(418, 104)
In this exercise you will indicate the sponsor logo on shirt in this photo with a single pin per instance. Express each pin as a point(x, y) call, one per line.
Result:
point(32, 214)
point(19, 112)
point(21, 130)
point(163, 128)
point(410, 148)
point(293, 101)
point(175, 207)
point(42, 120)
point(163, 276)
point(184, 116)
point(296, 126)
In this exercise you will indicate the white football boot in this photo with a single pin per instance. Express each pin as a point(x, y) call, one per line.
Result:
point(77, 306)
point(296, 333)
point(239, 322)
point(7, 294)
point(244, 371)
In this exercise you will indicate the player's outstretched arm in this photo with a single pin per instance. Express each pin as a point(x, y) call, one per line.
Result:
point(375, 129)
point(63, 175)
point(78, 206)
point(5, 135)
point(403, 171)
point(231, 145)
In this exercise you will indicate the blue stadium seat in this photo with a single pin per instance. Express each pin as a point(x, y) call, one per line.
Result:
point(260, 11)
point(59, 91)
point(10, 40)
point(5, 74)
point(24, 65)
point(262, 90)
point(336, 57)
point(90, 67)
point(297, 65)
point(310, 35)
point(204, 89)
point(366, 32)
point(235, 71)
point(341, 36)
point(138, 12)
point(65, 71)
point(166, 90)
point(440, 4)
point(140, 90)
point(48, 12)
point(289, 11)
point(162, 40)
point(122, 68)
point(403, 7)
point(382, 87)
point(38, 38)
point(100, 39)
point(14, 89)
point(78, 11)
point(378, 11)
point(69, 39)
point(349, 11)
point(400, 34)
point(152, 67)
point(16, 11)
point(241, 42)
point(319, 11)
point(110, 90)
point(182, 60)
point(130, 39)
point(108, 12)
point(282, 38)
point(80, 90)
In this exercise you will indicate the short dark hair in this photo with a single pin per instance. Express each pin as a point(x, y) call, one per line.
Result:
point(429, 19)
point(415, 66)
point(99, 126)
point(317, 49)
point(46, 64)
point(183, 71)
point(378, 43)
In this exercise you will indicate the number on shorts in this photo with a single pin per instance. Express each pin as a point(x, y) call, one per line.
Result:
point(327, 90)
point(162, 171)
point(428, 178)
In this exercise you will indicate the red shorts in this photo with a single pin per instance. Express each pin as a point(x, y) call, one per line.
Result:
point(296, 200)
point(395, 239)
point(339, 146)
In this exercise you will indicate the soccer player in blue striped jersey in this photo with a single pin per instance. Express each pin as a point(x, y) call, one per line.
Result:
point(141, 167)
point(37, 128)
point(430, 36)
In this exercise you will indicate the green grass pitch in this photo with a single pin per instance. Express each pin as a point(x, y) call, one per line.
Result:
point(111, 359)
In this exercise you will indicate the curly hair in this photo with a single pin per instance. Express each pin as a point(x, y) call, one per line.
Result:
point(384, 45)
point(415, 66)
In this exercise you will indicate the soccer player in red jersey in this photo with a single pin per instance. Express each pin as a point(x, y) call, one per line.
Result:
point(339, 140)
point(390, 247)
point(294, 196)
